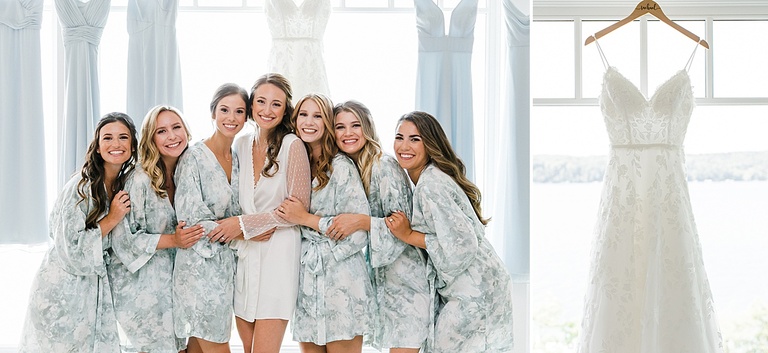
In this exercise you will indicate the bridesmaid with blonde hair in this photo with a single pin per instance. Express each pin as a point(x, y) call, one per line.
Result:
point(144, 243)
point(334, 306)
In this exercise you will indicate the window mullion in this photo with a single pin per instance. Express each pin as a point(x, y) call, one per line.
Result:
point(709, 70)
point(644, 56)
point(577, 62)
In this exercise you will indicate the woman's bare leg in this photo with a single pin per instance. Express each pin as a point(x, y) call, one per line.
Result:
point(213, 347)
point(404, 350)
point(309, 347)
point(354, 345)
point(245, 330)
point(268, 335)
point(193, 346)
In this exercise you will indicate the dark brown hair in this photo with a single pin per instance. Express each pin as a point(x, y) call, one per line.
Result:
point(275, 137)
point(92, 172)
point(441, 155)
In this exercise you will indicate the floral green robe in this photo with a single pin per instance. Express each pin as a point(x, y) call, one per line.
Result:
point(142, 276)
point(335, 300)
point(70, 303)
point(474, 286)
point(401, 275)
point(203, 276)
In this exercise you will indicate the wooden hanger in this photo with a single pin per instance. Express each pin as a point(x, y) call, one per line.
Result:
point(642, 8)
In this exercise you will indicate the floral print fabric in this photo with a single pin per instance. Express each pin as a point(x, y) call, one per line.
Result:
point(335, 300)
point(474, 286)
point(203, 277)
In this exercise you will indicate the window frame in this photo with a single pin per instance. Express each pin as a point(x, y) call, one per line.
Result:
point(578, 12)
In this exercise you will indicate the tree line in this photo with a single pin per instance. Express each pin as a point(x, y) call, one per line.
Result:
point(735, 166)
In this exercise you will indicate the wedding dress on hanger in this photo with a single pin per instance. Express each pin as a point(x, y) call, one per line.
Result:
point(297, 43)
point(648, 291)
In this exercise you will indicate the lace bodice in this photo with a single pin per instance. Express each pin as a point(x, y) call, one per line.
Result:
point(297, 43)
point(631, 119)
point(287, 20)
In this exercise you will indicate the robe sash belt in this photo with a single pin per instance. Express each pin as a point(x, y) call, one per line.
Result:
point(312, 255)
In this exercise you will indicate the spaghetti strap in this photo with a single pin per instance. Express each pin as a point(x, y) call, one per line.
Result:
point(690, 60)
point(602, 55)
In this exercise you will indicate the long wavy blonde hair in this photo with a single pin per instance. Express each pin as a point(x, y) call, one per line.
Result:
point(441, 154)
point(149, 154)
point(322, 167)
point(371, 151)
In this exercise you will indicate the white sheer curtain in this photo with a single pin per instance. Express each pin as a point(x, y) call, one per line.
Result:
point(82, 24)
point(154, 70)
point(22, 145)
point(510, 170)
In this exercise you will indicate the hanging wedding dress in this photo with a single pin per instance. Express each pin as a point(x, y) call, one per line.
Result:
point(648, 291)
point(297, 43)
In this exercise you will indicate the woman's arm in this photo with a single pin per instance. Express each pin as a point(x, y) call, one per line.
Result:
point(299, 186)
point(400, 227)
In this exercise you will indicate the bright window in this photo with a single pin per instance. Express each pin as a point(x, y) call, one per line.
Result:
point(727, 162)
point(370, 54)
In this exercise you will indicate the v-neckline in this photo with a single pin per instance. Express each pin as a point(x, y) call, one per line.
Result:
point(647, 100)
point(219, 166)
point(298, 6)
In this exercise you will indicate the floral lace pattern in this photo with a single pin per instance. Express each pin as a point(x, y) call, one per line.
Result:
point(648, 291)
point(297, 43)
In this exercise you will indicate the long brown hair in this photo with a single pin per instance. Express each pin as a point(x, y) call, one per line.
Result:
point(322, 167)
point(371, 151)
point(275, 137)
point(92, 173)
point(441, 154)
point(149, 155)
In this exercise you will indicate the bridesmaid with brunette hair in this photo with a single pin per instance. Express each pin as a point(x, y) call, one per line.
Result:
point(207, 191)
point(474, 287)
point(334, 306)
point(70, 303)
point(141, 272)
point(273, 167)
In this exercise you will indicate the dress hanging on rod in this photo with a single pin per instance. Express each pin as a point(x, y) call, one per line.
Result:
point(22, 136)
point(154, 67)
point(444, 75)
point(82, 25)
point(297, 43)
point(648, 291)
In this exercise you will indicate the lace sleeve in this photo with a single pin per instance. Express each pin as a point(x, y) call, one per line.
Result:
point(298, 184)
